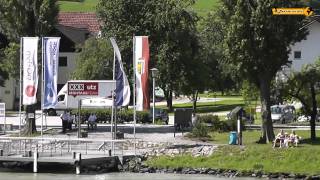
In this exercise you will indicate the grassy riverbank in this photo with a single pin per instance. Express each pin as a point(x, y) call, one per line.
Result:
point(303, 159)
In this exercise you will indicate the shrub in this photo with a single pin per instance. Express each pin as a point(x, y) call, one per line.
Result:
point(200, 130)
point(123, 115)
point(213, 119)
point(218, 125)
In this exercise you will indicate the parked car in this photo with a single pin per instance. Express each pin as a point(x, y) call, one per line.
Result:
point(283, 113)
point(159, 114)
point(303, 118)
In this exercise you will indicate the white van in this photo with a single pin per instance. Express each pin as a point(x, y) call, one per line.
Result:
point(283, 113)
point(92, 93)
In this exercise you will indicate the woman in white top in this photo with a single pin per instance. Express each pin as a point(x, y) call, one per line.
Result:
point(279, 138)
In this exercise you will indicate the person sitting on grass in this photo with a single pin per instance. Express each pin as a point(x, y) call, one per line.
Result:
point(92, 121)
point(286, 140)
point(294, 138)
point(279, 138)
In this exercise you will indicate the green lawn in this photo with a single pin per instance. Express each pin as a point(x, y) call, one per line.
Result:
point(262, 157)
point(227, 104)
point(201, 6)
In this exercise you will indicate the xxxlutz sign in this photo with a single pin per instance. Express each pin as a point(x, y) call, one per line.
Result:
point(83, 88)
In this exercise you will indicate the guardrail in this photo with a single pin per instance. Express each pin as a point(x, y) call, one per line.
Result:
point(49, 147)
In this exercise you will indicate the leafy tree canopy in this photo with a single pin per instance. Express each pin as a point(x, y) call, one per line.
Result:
point(304, 87)
point(27, 18)
point(170, 25)
point(257, 43)
point(95, 61)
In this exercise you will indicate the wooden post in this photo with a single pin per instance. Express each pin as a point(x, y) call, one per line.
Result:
point(35, 161)
point(78, 157)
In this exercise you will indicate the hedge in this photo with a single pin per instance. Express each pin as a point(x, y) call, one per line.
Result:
point(123, 115)
point(219, 125)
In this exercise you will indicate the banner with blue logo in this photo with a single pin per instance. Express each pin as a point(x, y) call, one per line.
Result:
point(50, 60)
point(122, 84)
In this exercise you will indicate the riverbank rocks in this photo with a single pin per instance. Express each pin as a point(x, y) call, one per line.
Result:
point(229, 173)
point(173, 150)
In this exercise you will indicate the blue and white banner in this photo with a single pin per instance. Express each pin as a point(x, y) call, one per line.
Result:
point(122, 84)
point(51, 59)
point(30, 69)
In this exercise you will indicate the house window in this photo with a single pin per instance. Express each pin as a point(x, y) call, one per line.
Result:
point(63, 61)
point(297, 54)
point(86, 35)
point(59, 87)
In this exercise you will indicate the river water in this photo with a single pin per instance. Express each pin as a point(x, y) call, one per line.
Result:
point(108, 176)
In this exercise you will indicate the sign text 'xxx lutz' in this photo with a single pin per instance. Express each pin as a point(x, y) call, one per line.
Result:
point(83, 88)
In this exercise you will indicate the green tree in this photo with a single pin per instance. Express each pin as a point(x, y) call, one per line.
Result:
point(20, 18)
point(170, 26)
point(3, 72)
point(95, 60)
point(304, 86)
point(250, 94)
point(258, 44)
point(222, 76)
point(27, 18)
point(195, 79)
point(12, 59)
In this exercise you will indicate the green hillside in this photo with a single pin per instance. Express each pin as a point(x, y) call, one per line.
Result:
point(201, 6)
point(204, 6)
point(82, 6)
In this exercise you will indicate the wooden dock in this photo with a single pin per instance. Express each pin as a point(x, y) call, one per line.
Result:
point(78, 152)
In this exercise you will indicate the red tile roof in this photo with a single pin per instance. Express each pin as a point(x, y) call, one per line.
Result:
point(81, 20)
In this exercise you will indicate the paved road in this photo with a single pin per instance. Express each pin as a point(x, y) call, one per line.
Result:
point(147, 132)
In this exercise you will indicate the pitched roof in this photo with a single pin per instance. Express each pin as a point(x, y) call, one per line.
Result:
point(80, 20)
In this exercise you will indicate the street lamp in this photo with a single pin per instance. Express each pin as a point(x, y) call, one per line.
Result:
point(154, 72)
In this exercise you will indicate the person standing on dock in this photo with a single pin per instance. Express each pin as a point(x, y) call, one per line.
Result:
point(65, 120)
point(92, 121)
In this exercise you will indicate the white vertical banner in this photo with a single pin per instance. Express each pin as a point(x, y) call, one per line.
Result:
point(141, 55)
point(30, 70)
point(122, 85)
point(50, 60)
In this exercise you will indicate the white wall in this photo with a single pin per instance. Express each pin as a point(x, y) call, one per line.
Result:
point(65, 72)
point(310, 48)
point(7, 93)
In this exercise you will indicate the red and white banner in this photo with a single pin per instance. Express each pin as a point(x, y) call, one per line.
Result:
point(30, 69)
point(83, 88)
point(141, 54)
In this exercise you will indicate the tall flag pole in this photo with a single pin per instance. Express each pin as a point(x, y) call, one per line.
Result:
point(20, 85)
point(42, 85)
point(141, 57)
point(50, 60)
point(122, 90)
point(112, 94)
point(134, 95)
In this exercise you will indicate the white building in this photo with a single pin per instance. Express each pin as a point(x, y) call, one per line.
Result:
point(73, 28)
point(306, 51)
